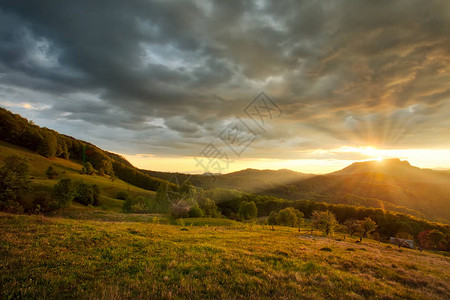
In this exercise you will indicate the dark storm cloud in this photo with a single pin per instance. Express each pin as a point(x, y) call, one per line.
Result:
point(345, 72)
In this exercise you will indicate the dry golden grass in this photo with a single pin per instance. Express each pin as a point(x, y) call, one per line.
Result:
point(43, 257)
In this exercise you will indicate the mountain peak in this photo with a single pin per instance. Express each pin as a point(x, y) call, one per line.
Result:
point(388, 166)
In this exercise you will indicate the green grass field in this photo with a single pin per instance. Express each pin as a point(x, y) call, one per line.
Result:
point(56, 257)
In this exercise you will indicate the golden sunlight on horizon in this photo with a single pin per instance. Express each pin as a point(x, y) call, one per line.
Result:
point(422, 158)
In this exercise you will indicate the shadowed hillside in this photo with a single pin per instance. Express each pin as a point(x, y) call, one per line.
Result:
point(391, 184)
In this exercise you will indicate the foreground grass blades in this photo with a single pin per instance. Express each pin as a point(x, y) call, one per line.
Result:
point(43, 257)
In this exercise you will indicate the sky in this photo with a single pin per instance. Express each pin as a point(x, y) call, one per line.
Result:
point(218, 86)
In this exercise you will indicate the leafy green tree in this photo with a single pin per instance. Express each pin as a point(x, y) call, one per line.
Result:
point(352, 226)
point(287, 217)
point(248, 210)
point(106, 167)
point(209, 208)
point(273, 216)
point(367, 226)
point(14, 182)
point(324, 220)
point(162, 198)
point(300, 219)
point(48, 145)
point(64, 192)
point(84, 194)
point(88, 169)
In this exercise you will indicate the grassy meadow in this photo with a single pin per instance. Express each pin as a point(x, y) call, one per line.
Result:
point(71, 169)
point(60, 257)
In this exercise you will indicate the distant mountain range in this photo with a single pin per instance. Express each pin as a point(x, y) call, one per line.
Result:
point(389, 184)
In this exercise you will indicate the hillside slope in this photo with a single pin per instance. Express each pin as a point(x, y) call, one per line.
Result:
point(386, 184)
point(67, 168)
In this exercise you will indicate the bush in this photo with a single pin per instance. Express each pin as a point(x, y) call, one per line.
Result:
point(122, 195)
point(51, 173)
point(43, 202)
point(137, 205)
point(195, 212)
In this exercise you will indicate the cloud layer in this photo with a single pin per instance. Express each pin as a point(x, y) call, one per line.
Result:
point(166, 77)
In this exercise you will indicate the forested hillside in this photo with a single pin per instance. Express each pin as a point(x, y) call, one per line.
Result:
point(19, 131)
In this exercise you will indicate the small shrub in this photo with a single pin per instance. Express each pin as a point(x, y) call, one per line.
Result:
point(43, 202)
point(51, 173)
point(326, 249)
point(122, 195)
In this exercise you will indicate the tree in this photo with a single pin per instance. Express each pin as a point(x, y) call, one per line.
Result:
point(162, 198)
point(272, 220)
point(95, 194)
point(248, 210)
point(352, 226)
point(209, 208)
point(324, 220)
point(84, 194)
point(367, 226)
point(126, 207)
point(300, 219)
point(287, 216)
point(88, 169)
point(64, 192)
point(404, 235)
point(48, 145)
point(431, 239)
point(14, 181)
point(51, 172)
point(106, 167)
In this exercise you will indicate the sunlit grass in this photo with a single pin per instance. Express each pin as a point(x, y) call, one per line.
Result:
point(63, 258)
